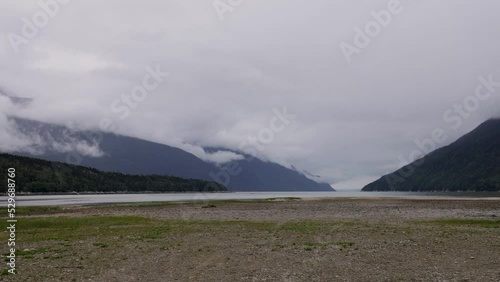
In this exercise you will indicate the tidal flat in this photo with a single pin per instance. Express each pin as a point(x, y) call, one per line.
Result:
point(263, 240)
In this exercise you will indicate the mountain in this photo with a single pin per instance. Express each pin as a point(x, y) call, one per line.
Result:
point(120, 154)
point(253, 174)
point(116, 153)
point(16, 100)
point(40, 176)
point(472, 163)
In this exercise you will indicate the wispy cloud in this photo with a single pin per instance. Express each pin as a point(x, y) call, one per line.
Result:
point(355, 119)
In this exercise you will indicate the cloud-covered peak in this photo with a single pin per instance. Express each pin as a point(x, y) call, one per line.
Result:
point(87, 65)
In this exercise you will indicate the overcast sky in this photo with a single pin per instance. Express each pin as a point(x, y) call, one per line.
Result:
point(230, 67)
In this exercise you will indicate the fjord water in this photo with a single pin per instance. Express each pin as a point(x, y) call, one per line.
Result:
point(103, 199)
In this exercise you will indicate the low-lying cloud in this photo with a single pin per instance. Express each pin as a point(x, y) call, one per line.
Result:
point(15, 138)
point(353, 121)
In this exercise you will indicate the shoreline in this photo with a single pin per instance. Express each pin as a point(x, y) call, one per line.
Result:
point(340, 239)
point(110, 199)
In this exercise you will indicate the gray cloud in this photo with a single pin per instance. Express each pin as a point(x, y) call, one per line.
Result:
point(15, 139)
point(353, 120)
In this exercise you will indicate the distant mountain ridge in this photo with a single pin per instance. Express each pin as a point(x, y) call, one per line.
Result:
point(40, 176)
point(130, 155)
point(472, 163)
point(16, 100)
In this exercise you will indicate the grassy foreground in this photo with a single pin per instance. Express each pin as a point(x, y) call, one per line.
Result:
point(191, 242)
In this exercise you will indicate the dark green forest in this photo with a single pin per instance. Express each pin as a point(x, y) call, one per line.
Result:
point(40, 176)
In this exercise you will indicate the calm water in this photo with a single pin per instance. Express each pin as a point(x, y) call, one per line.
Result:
point(60, 200)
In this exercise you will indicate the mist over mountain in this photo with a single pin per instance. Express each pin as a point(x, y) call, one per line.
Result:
point(253, 174)
point(15, 100)
point(472, 163)
point(225, 77)
point(116, 153)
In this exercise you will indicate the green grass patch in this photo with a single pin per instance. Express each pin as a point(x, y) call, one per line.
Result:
point(484, 223)
point(5, 272)
point(21, 211)
point(79, 222)
point(27, 254)
point(66, 229)
point(156, 232)
point(345, 244)
point(284, 199)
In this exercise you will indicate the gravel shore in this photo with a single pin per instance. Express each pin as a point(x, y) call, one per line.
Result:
point(275, 240)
